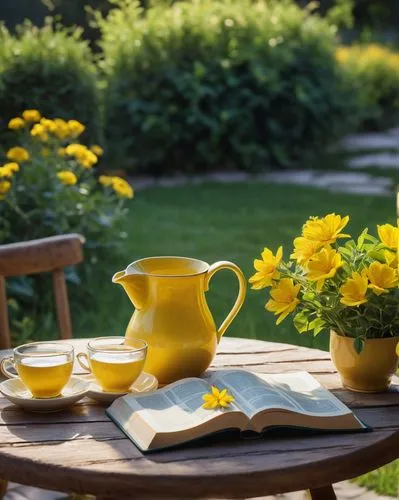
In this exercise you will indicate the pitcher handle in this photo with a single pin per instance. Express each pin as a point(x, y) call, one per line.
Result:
point(218, 266)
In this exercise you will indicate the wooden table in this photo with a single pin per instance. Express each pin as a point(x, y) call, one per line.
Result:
point(81, 450)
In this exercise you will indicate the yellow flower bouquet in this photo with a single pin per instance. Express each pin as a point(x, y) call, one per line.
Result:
point(350, 288)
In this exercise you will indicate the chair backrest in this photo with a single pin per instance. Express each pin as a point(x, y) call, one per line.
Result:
point(40, 256)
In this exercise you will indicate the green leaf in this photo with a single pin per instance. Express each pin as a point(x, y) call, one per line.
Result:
point(361, 238)
point(317, 325)
point(358, 344)
point(301, 321)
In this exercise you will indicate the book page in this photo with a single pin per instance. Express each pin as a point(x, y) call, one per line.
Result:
point(306, 393)
point(296, 392)
point(176, 407)
point(251, 394)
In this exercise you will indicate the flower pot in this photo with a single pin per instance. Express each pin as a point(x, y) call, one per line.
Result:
point(369, 371)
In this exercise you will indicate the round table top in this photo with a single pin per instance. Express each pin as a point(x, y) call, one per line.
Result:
point(82, 451)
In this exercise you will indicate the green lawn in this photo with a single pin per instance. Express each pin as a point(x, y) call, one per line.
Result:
point(234, 222)
point(214, 222)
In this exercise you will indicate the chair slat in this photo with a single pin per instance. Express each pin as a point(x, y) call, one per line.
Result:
point(5, 339)
point(40, 256)
point(62, 304)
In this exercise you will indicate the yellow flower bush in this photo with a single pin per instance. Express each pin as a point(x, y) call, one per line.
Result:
point(350, 287)
point(49, 184)
point(373, 70)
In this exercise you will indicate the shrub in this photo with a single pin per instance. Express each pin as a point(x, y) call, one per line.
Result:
point(48, 186)
point(51, 69)
point(220, 84)
point(374, 73)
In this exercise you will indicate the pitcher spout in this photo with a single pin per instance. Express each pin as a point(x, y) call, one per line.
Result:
point(134, 284)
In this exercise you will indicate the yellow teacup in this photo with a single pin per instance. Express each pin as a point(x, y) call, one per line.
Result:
point(44, 367)
point(115, 365)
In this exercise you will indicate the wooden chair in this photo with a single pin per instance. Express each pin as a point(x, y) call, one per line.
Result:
point(34, 257)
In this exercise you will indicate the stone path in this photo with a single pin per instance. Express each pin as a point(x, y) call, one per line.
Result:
point(373, 150)
point(344, 491)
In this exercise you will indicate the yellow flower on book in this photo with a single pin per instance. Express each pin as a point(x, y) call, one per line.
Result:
point(325, 230)
point(389, 235)
point(283, 299)
point(354, 290)
point(18, 154)
point(323, 265)
point(217, 399)
point(31, 115)
point(381, 277)
point(16, 123)
point(266, 269)
point(304, 250)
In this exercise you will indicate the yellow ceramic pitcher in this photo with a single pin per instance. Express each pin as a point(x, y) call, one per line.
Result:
point(171, 313)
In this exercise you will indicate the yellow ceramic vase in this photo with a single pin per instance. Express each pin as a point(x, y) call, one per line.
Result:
point(171, 313)
point(369, 371)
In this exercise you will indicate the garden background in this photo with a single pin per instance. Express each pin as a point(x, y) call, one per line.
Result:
point(187, 88)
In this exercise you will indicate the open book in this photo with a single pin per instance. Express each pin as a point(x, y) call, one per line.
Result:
point(174, 414)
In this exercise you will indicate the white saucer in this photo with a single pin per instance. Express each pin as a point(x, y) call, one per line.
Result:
point(16, 392)
point(144, 383)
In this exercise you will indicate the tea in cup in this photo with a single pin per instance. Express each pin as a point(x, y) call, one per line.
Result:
point(115, 365)
point(44, 367)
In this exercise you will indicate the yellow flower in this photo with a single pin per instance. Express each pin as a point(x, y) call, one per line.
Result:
point(76, 150)
point(381, 277)
point(18, 154)
point(354, 290)
point(61, 152)
point(31, 115)
point(88, 159)
point(16, 123)
point(97, 150)
point(392, 259)
point(8, 169)
point(4, 188)
point(49, 125)
point(67, 177)
point(283, 299)
point(61, 128)
point(323, 265)
point(217, 399)
point(122, 188)
point(75, 128)
point(14, 167)
point(38, 130)
point(389, 235)
point(266, 269)
point(304, 249)
point(105, 180)
point(326, 230)
point(342, 54)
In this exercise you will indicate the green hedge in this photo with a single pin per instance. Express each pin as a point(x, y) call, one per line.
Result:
point(220, 84)
point(50, 69)
point(373, 72)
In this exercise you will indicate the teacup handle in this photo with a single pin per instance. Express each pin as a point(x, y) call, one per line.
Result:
point(84, 364)
point(3, 367)
point(218, 266)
